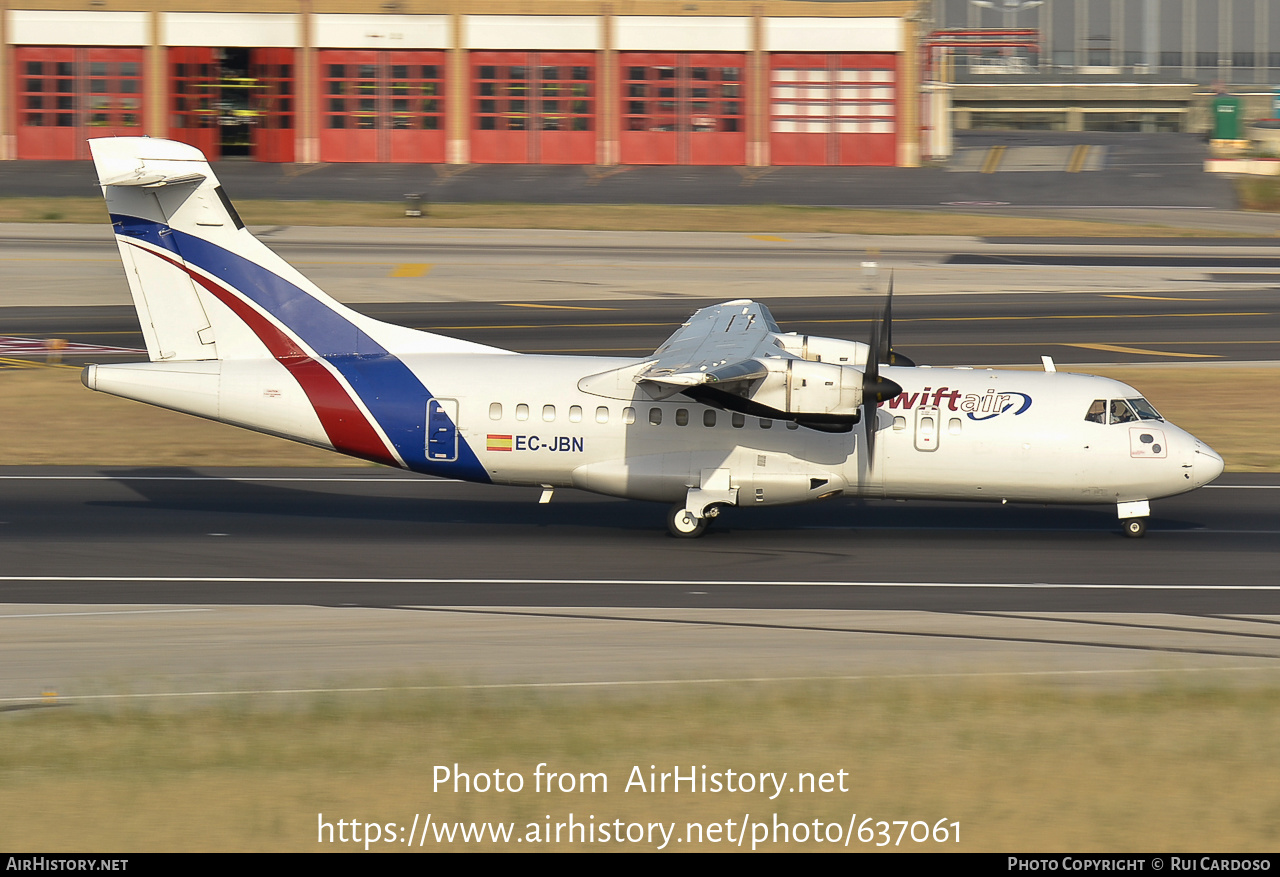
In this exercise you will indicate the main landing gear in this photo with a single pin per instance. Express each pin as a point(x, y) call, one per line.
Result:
point(684, 524)
point(1134, 527)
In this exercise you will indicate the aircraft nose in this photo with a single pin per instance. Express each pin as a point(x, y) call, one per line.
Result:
point(1207, 464)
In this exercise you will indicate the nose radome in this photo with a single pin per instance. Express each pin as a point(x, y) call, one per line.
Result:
point(1207, 464)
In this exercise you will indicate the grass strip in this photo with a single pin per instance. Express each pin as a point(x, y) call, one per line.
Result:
point(1020, 767)
point(1258, 193)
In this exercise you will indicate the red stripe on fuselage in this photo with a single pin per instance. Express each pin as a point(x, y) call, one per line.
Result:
point(344, 423)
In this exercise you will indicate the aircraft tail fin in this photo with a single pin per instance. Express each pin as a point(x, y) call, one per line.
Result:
point(205, 287)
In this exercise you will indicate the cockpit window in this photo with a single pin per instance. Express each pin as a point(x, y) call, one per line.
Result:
point(1121, 412)
point(1144, 409)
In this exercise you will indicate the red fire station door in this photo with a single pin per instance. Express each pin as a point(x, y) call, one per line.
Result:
point(833, 109)
point(533, 108)
point(66, 95)
point(382, 106)
point(683, 108)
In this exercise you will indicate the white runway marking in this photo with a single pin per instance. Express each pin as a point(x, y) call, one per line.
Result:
point(354, 480)
point(118, 612)
point(286, 580)
point(424, 479)
point(11, 345)
point(1242, 487)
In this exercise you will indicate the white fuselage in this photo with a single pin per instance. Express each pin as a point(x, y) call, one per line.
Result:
point(958, 434)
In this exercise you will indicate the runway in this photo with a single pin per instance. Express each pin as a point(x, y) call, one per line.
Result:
point(187, 581)
point(57, 266)
point(205, 580)
point(377, 537)
point(1238, 324)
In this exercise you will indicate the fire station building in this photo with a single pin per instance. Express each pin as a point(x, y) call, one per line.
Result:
point(656, 82)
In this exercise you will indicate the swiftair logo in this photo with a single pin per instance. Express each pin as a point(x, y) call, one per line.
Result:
point(978, 406)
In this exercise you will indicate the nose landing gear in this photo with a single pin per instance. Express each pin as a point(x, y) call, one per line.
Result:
point(1133, 517)
point(1134, 528)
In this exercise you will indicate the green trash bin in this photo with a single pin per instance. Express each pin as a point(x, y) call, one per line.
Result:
point(1226, 117)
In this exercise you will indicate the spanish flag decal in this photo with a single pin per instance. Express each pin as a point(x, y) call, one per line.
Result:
point(498, 443)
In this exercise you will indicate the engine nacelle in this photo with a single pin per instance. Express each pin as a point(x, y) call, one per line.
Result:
point(816, 348)
point(803, 387)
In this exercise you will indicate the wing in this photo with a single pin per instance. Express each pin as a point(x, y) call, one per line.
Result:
point(734, 356)
point(723, 344)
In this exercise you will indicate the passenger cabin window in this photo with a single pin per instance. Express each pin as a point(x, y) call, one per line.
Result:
point(522, 411)
point(954, 426)
point(1097, 411)
point(655, 416)
point(602, 415)
point(628, 415)
point(738, 420)
point(709, 417)
point(791, 424)
point(899, 422)
point(682, 417)
point(575, 414)
point(548, 413)
point(495, 410)
point(766, 424)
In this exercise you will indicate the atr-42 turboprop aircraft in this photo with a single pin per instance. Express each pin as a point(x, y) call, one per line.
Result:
point(730, 411)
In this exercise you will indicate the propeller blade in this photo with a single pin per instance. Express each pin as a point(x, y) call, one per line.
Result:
point(888, 355)
point(870, 417)
point(875, 389)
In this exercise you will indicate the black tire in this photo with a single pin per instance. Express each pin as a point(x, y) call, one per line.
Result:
point(684, 525)
point(1134, 528)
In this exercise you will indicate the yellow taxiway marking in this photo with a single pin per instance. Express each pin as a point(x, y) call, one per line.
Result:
point(994, 157)
point(672, 323)
point(769, 237)
point(410, 269)
point(553, 307)
point(1021, 318)
point(1115, 348)
point(1043, 343)
point(1157, 297)
point(1078, 156)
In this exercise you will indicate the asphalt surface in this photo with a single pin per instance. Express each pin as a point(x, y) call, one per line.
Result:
point(1240, 325)
point(1130, 170)
point(372, 537)
point(175, 586)
point(959, 301)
